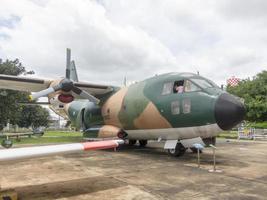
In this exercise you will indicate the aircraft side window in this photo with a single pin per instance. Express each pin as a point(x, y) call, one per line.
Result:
point(202, 83)
point(167, 88)
point(186, 106)
point(178, 86)
point(175, 107)
point(190, 87)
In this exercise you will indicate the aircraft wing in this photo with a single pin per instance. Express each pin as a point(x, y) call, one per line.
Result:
point(23, 83)
point(41, 151)
point(94, 89)
point(35, 85)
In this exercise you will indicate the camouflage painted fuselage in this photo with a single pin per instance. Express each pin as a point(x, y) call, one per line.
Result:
point(145, 111)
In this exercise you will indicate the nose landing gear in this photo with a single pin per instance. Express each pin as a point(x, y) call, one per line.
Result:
point(142, 143)
point(178, 151)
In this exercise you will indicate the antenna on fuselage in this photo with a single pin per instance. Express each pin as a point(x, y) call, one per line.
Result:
point(125, 81)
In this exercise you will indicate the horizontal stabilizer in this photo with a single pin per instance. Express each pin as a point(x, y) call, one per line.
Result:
point(41, 151)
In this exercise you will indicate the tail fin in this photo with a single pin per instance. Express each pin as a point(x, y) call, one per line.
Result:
point(71, 72)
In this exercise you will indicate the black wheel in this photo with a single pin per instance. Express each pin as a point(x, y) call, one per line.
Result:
point(7, 143)
point(132, 142)
point(178, 151)
point(194, 150)
point(210, 140)
point(142, 143)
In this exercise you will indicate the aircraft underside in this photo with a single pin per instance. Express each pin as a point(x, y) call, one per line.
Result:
point(205, 131)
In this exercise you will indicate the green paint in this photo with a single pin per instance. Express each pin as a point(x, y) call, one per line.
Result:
point(91, 133)
point(85, 113)
point(74, 112)
point(202, 102)
point(138, 96)
point(134, 104)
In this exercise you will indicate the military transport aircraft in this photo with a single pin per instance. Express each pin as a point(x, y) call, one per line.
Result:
point(173, 107)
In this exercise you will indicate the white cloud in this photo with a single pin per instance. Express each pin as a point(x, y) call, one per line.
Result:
point(111, 39)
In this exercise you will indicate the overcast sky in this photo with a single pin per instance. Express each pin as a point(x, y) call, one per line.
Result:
point(137, 39)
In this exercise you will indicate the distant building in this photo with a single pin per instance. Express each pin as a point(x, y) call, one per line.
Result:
point(56, 122)
point(233, 81)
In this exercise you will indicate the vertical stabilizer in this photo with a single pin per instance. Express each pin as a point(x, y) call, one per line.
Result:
point(71, 72)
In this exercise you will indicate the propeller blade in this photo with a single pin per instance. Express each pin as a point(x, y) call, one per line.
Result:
point(45, 92)
point(85, 95)
point(42, 93)
point(90, 97)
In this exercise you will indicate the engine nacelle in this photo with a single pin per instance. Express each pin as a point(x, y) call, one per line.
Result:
point(85, 114)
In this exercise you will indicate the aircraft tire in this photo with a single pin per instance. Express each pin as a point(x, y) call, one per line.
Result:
point(208, 141)
point(132, 142)
point(194, 150)
point(7, 143)
point(142, 143)
point(178, 151)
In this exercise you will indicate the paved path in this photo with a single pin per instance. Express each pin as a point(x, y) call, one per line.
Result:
point(143, 173)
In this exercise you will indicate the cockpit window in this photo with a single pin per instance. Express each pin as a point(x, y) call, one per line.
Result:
point(202, 83)
point(178, 86)
point(190, 87)
point(167, 88)
point(182, 86)
point(213, 84)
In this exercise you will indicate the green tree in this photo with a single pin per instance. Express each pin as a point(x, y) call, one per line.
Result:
point(8, 98)
point(254, 92)
point(33, 116)
point(10, 67)
point(10, 110)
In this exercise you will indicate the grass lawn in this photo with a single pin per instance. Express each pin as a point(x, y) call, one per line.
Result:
point(50, 137)
point(72, 137)
point(62, 134)
point(228, 135)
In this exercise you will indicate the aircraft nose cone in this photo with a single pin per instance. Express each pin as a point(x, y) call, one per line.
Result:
point(229, 111)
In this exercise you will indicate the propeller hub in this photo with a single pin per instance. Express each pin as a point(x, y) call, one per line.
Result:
point(66, 85)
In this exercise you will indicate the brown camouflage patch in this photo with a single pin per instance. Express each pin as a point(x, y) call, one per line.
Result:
point(52, 84)
point(112, 107)
point(151, 118)
point(108, 131)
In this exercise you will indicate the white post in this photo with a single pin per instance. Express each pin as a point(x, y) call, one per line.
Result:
point(214, 159)
point(198, 158)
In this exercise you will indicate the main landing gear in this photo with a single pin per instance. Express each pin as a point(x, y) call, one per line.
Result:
point(194, 150)
point(142, 143)
point(178, 151)
point(132, 142)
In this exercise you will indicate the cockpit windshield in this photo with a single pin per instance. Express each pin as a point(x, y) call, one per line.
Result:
point(202, 83)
